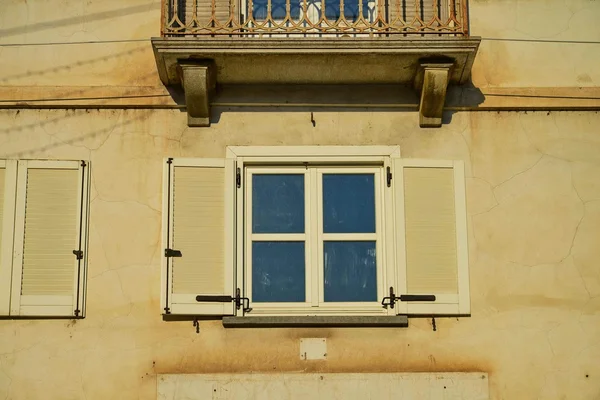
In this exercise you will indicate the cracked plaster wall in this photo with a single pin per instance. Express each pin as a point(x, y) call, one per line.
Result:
point(534, 224)
point(533, 203)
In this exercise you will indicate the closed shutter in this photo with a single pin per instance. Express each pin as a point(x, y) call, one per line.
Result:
point(204, 12)
point(432, 254)
point(418, 13)
point(8, 182)
point(51, 216)
point(198, 236)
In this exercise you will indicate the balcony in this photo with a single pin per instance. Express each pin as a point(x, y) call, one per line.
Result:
point(424, 44)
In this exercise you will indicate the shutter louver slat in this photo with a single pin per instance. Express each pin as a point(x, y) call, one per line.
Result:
point(50, 232)
point(430, 231)
point(198, 226)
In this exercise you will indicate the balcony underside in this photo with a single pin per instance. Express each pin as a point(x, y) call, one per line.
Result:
point(427, 63)
point(314, 61)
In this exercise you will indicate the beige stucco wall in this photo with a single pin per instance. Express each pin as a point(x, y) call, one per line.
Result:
point(499, 63)
point(534, 223)
point(532, 189)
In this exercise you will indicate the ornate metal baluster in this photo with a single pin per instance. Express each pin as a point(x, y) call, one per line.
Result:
point(398, 16)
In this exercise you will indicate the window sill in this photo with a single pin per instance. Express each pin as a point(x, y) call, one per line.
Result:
point(398, 321)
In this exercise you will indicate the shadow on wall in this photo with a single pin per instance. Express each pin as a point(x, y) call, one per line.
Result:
point(40, 26)
point(79, 94)
point(466, 96)
point(31, 152)
point(329, 98)
point(69, 67)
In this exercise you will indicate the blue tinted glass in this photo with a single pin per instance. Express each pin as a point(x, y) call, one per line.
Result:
point(348, 203)
point(350, 271)
point(351, 12)
point(277, 203)
point(259, 9)
point(278, 271)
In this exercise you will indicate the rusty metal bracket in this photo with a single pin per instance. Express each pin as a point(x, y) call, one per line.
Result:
point(240, 302)
point(390, 301)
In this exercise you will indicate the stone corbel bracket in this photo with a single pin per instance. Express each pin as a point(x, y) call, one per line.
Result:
point(432, 81)
point(198, 79)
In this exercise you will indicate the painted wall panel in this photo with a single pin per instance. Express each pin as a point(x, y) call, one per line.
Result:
point(404, 386)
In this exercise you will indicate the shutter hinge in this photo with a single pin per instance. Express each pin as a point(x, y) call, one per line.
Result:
point(172, 253)
point(240, 302)
point(238, 178)
point(169, 160)
point(392, 298)
point(78, 254)
point(77, 313)
point(389, 176)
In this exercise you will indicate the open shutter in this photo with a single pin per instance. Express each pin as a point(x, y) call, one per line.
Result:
point(8, 183)
point(49, 245)
point(198, 237)
point(432, 253)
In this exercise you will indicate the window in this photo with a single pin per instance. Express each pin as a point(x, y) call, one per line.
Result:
point(314, 231)
point(43, 220)
point(307, 230)
point(313, 8)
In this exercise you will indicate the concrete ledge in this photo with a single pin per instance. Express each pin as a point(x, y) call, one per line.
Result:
point(398, 321)
point(315, 60)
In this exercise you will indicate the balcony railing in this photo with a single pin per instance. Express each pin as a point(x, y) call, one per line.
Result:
point(315, 18)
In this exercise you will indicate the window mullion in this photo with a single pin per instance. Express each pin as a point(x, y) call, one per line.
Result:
point(318, 184)
point(316, 226)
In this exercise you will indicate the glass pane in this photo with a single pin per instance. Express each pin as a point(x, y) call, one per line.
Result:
point(278, 272)
point(278, 203)
point(351, 12)
point(259, 9)
point(348, 203)
point(350, 271)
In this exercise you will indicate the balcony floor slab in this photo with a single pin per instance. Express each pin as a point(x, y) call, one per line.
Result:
point(252, 60)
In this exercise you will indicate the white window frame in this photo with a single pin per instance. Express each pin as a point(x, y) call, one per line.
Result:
point(12, 302)
point(350, 158)
point(314, 239)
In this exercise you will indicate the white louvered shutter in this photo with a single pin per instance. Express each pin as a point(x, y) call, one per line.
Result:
point(418, 13)
point(204, 11)
point(50, 225)
point(431, 228)
point(199, 233)
point(8, 183)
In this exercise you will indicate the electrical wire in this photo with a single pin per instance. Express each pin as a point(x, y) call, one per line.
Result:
point(148, 39)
